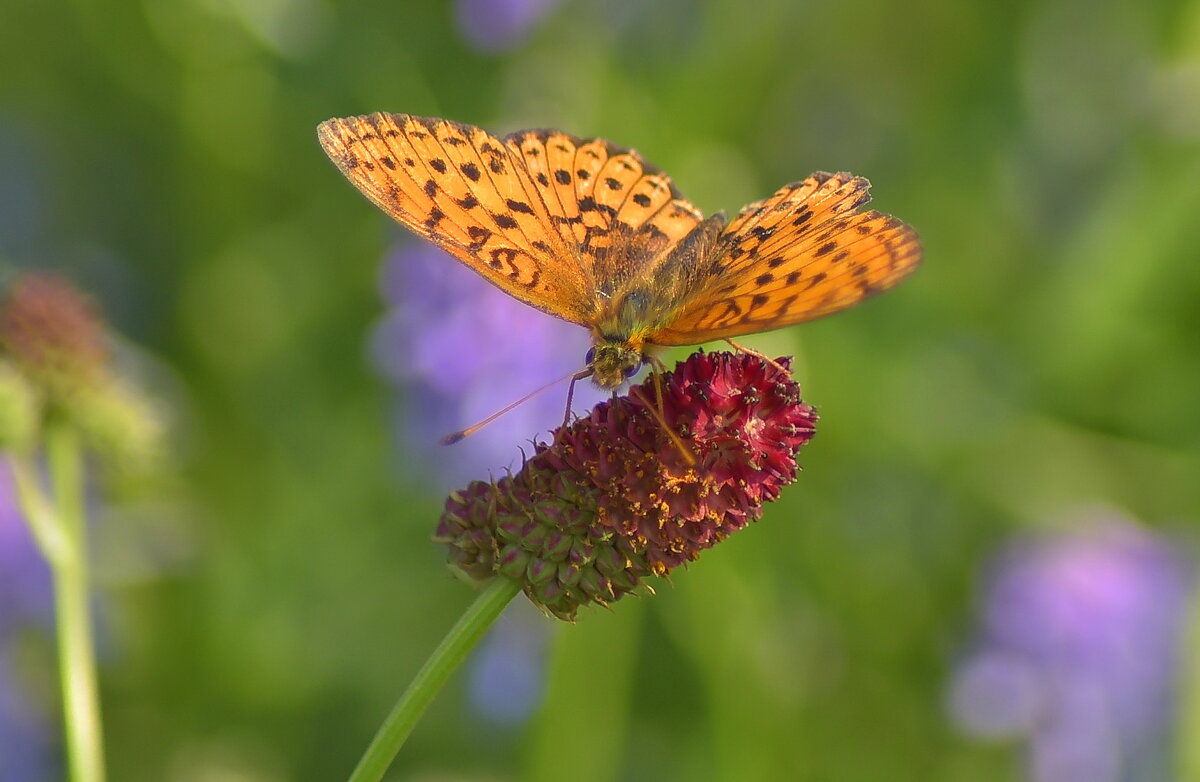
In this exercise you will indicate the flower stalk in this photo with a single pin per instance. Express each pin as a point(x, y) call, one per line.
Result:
point(59, 396)
point(453, 649)
point(60, 529)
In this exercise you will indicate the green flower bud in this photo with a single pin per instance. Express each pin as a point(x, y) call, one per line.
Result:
point(20, 410)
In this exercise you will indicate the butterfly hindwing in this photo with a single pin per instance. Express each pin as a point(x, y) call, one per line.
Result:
point(617, 211)
point(805, 252)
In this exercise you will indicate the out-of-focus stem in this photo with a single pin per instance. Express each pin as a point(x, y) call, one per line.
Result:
point(69, 564)
point(429, 680)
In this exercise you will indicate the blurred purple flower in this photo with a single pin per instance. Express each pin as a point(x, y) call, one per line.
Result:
point(499, 25)
point(25, 587)
point(1079, 652)
point(506, 676)
point(26, 601)
point(461, 349)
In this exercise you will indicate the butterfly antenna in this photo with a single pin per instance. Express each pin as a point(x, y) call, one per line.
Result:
point(461, 434)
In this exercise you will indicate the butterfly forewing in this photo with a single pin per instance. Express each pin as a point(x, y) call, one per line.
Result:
point(552, 219)
point(802, 253)
point(461, 188)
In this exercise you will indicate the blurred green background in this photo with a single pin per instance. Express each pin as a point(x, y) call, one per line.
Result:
point(1046, 357)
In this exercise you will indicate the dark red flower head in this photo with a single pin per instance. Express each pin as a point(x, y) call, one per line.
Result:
point(614, 498)
point(52, 331)
point(57, 364)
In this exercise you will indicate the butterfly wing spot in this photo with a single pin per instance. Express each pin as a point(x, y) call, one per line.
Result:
point(479, 237)
point(732, 312)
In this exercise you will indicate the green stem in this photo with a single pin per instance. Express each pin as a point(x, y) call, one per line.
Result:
point(77, 658)
point(429, 680)
point(39, 513)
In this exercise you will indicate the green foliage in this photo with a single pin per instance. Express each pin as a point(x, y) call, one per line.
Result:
point(1044, 358)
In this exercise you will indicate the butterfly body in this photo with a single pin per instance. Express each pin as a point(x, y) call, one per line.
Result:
point(591, 233)
point(635, 303)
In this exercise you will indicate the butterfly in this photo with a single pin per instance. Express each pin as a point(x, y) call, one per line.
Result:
point(591, 233)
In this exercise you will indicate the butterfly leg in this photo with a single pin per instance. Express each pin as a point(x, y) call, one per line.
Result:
point(658, 410)
point(657, 414)
point(657, 367)
point(570, 397)
point(756, 354)
point(575, 378)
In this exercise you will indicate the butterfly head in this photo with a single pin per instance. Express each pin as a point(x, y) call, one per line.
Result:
point(613, 361)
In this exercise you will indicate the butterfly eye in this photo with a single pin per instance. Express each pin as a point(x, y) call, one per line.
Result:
point(591, 354)
point(633, 370)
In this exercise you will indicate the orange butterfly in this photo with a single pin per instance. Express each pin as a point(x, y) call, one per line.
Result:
point(591, 233)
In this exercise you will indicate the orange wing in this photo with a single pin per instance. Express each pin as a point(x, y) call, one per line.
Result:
point(547, 217)
point(619, 211)
point(802, 253)
point(461, 188)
